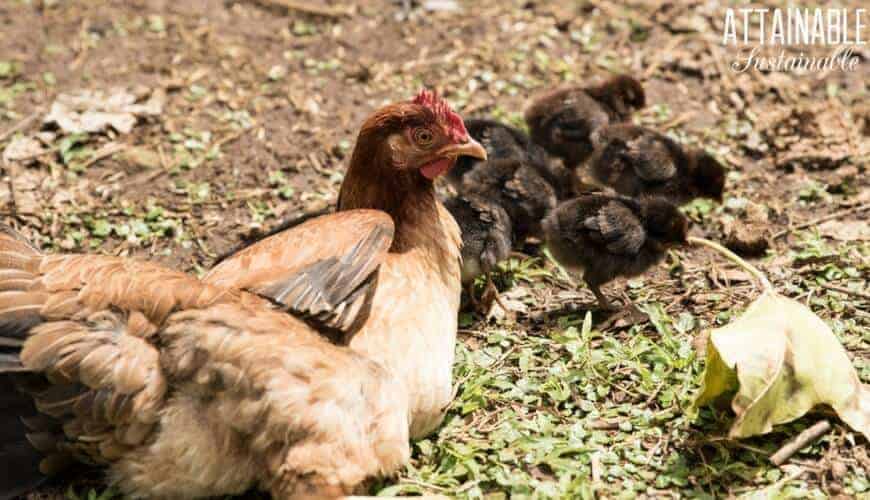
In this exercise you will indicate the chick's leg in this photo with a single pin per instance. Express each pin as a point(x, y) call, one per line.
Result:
point(491, 294)
point(603, 302)
point(472, 297)
point(594, 284)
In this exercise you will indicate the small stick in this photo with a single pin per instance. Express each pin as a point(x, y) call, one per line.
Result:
point(765, 283)
point(16, 213)
point(162, 155)
point(596, 468)
point(835, 215)
point(232, 137)
point(603, 425)
point(10, 170)
point(854, 293)
point(51, 150)
point(671, 45)
point(333, 12)
point(19, 126)
point(676, 122)
point(802, 439)
point(104, 152)
point(654, 394)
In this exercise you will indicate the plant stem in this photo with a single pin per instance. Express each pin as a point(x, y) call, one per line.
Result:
point(804, 438)
point(765, 283)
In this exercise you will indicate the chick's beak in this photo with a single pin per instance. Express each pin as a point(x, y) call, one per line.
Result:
point(470, 148)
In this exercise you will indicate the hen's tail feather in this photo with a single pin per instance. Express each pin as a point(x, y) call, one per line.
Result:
point(19, 305)
point(18, 456)
point(19, 311)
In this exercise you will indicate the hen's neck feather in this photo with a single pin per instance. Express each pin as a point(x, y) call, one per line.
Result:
point(412, 327)
point(373, 181)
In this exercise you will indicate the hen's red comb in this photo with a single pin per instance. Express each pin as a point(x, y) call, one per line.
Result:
point(455, 126)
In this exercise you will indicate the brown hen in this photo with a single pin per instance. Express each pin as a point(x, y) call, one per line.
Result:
point(409, 325)
point(181, 388)
point(187, 389)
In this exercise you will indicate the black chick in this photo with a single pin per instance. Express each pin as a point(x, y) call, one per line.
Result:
point(636, 161)
point(487, 238)
point(605, 236)
point(517, 187)
point(505, 142)
point(564, 120)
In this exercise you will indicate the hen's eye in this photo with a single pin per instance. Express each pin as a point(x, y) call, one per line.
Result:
point(423, 136)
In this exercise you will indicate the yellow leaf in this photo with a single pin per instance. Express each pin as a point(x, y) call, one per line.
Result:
point(782, 360)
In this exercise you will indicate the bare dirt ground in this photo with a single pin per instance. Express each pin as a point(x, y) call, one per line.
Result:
point(263, 103)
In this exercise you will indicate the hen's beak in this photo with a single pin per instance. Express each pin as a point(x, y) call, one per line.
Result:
point(470, 148)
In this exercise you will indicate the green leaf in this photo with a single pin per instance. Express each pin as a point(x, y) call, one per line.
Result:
point(70, 148)
point(782, 360)
point(7, 69)
point(101, 228)
point(154, 214)
point(156, 24)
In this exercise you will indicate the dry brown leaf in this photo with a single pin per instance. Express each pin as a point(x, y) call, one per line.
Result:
point(782, 360)
point(96, 110)
point(846, 230)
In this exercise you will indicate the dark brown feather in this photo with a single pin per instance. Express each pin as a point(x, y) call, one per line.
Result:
point(604, 236)
point(327, 280)
point(518, 188)
point(503, 142)
point(487, 235)
point(637, 161)
point(565, 120)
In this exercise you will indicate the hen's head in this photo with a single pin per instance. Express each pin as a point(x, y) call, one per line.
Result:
point(420, 138)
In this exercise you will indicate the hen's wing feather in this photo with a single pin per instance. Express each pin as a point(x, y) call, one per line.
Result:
point(102, 341)
point(284, 225)
point(618, 228)
point(76, 343)
point(344, 417)
point(328, 280)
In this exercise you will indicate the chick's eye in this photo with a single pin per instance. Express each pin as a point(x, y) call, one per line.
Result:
point(423, 136)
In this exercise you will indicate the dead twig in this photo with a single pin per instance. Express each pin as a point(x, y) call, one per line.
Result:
point(19, 214)
point(19, 126)
point(802, 439)
point(232, 137)
point(603, 425)
point(835, 215)
point(10, 170)
point(307, 8)
point(669, 47)
point(314, 161)
point(676, 122)
point(51, 150)
point(853, 293)
point(596, 468)
point(104, 152)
